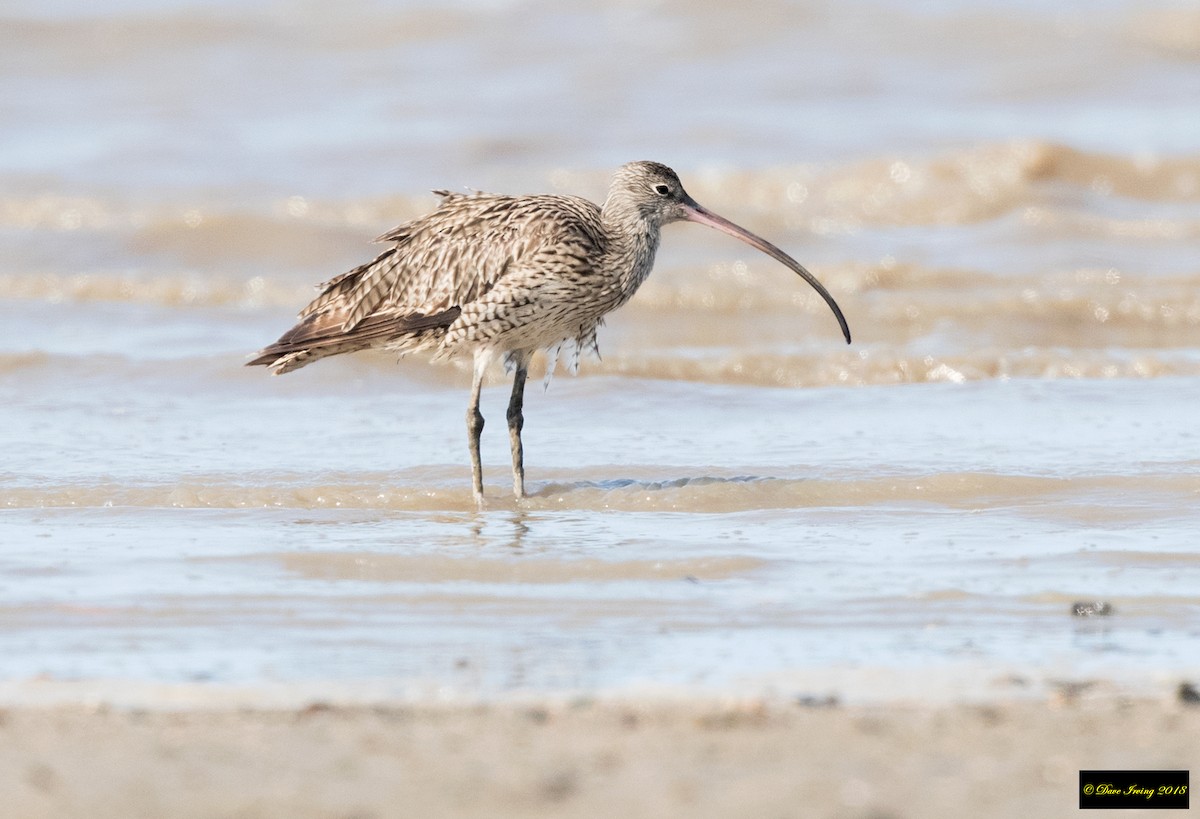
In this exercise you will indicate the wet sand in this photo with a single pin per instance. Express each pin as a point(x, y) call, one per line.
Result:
point(627, 757)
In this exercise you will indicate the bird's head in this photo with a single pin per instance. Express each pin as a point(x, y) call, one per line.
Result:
point(652, 190)
point(654, 193)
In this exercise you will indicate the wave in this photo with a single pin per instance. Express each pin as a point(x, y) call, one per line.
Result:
point(974, 185)
point(1173, 32)
point(958, 188)
point(1124, 495)
point(167, 290)
point(439, 568)
point(917, 296)
point(34, 360)
point(874, 365)
point(877, 365)
point(130, 33)
point(965, 187)
point(887, 304)
point(882, 366)
point(72, 40)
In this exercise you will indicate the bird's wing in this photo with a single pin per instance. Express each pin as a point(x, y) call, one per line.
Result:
point(458, 253)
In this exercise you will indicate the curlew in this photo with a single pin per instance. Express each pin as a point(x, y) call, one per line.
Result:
point(501, 277)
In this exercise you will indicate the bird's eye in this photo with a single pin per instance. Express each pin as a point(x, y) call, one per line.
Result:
point(662, 190)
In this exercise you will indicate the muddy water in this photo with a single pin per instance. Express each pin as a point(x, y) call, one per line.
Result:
point(1005, 200)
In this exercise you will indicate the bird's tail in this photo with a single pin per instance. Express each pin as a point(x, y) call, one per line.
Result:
point(321, 335)
point(281, 362)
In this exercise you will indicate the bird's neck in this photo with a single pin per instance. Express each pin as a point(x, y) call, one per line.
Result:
point(632, 242)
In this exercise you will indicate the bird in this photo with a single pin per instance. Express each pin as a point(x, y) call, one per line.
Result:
point(501, 277)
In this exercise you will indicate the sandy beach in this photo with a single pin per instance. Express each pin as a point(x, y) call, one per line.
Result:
point(623, 757)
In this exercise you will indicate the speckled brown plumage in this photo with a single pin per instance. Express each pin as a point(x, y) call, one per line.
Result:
point(502, 277)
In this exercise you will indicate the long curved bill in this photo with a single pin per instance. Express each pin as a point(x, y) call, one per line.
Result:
point(695, 212)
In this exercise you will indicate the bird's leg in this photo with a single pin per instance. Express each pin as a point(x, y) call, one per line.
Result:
point(475, 429)
point(516, 420)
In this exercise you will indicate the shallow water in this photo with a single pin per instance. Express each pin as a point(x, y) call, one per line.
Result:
point(1004, 199)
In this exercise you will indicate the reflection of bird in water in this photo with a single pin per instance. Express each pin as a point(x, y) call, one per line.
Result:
point(501, 277)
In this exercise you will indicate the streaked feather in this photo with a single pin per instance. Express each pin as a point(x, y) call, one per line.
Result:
point(479, 264)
